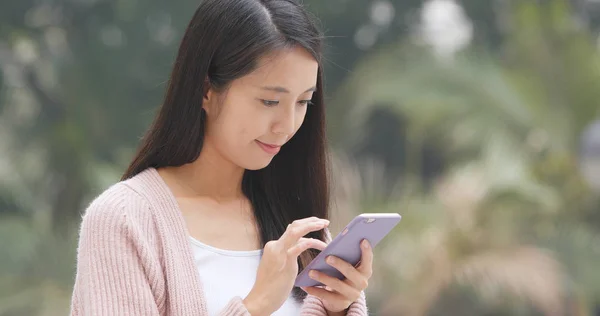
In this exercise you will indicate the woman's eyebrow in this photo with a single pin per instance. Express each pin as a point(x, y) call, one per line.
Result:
point(284, 90)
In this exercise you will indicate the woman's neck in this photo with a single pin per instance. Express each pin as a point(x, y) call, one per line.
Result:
point(211, 176)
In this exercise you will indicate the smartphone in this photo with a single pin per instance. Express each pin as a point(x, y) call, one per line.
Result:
point(346, 245)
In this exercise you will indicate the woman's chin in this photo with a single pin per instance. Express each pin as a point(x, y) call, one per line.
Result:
point(257, 164)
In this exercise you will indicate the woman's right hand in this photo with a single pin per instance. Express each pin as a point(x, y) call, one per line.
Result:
point(278, 266)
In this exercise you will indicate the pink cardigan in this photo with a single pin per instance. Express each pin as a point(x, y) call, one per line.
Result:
point(134, 257)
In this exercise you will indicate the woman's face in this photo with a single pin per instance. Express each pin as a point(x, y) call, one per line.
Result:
point(261, 111)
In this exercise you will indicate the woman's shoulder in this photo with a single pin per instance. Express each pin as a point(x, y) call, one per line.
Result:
point(119, 204)
point(118, 223)
point(114, 206)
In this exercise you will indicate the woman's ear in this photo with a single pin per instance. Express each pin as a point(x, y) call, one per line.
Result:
point(208, 96)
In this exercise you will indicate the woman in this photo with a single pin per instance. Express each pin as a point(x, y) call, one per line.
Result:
point(227, 196)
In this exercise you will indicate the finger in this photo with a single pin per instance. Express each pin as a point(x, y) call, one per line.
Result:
point(301, 227)
point(355, 277)
point(323, 294)
point(366, 262)
point(335, 284)
point(306, 243)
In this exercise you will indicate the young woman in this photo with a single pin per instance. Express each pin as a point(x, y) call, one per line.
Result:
point(227, 196)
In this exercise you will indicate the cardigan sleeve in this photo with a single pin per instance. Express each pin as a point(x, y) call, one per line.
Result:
point(235, 307)
point(112, 278)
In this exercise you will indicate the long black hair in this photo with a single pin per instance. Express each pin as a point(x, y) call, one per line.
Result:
point(224, 41)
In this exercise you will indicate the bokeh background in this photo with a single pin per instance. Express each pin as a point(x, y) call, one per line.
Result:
point(477, 120)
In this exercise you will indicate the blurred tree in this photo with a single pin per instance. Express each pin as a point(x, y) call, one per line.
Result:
point(522, 115)
point(467, 236)
point(90, 74)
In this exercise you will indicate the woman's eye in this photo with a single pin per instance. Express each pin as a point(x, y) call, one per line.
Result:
point(270, 102)
point(305, 102)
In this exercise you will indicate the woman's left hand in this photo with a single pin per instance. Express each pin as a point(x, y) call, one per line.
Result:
point(338, 294)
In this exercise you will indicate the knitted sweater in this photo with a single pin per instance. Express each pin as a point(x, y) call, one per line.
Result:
point(134, 257)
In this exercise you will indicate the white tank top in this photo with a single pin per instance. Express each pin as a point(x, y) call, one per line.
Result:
point(227, 273)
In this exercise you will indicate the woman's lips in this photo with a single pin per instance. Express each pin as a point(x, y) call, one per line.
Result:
point(268, 148)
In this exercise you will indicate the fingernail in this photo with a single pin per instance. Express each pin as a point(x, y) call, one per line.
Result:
point(365, 244)
point(312, 274)
point(330, 259)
